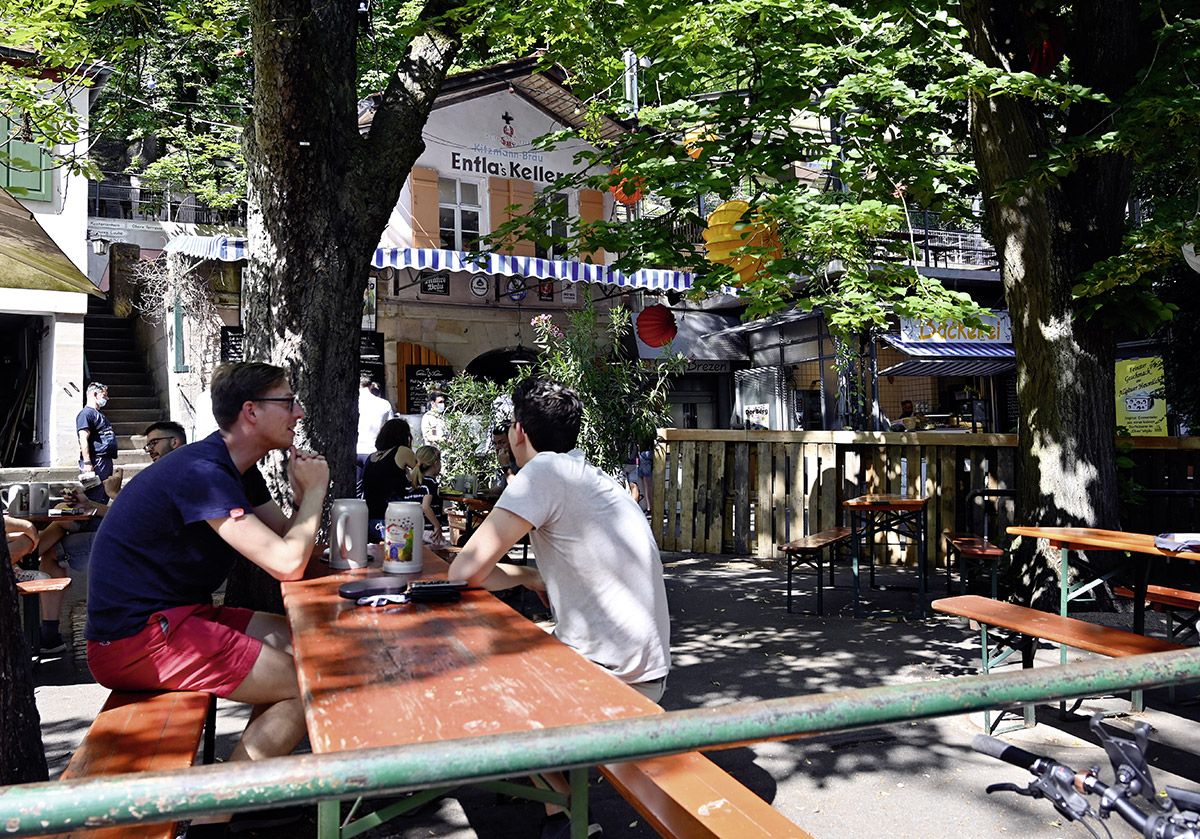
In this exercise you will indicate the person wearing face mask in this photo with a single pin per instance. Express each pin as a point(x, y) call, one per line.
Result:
point(433, 422)
point(97, 443)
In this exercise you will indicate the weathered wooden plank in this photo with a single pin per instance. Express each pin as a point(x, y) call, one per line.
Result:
point(947, 477)
point(741, 498)
point(1006, 478)
point(657, 494)
point(717, 519)
point(703, 494)
point(812, 487)
point(779, 493)
point(687, 496)
point(796, 491)
point(829, 480)
point(671, 538)
point(763, 534)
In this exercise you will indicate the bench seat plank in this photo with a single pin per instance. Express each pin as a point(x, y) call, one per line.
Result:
point(43, 586)
point(810, 549)
point(1070, 631)
point(973, 547)
point(140, 732)
point(1176, 598)
point(816, 541)
point(687, 796)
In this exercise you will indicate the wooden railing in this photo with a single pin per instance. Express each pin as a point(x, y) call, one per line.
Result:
point(744, 492)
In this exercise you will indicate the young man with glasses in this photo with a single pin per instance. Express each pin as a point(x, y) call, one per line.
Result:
point(171, 542)
point(163, 438)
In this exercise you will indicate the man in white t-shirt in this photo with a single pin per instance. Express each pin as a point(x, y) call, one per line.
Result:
point(597, 561)
point(373, 412)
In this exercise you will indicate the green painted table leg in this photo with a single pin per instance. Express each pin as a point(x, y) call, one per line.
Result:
point(328, 818)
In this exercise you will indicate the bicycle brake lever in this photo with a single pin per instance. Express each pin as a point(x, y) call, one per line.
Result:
point(1030, 790)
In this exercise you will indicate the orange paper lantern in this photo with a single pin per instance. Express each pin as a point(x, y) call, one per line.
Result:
point(693, 141)
point(629, 190)
point(729, 230)
point(656, 325)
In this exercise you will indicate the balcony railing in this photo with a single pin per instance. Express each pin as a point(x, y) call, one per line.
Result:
point(112, 198)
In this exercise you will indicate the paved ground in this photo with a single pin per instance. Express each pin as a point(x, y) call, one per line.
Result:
point(733, 642)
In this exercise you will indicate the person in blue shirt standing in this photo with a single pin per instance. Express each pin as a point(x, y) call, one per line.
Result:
point(97, 443)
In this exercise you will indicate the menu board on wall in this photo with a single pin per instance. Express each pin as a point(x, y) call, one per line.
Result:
point(231, 343)
point(419, 378)
point(370, 359)
point(1141, 407)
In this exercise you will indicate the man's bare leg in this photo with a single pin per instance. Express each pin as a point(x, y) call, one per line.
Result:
point(276, 724)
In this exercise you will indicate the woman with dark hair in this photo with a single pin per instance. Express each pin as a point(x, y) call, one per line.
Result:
point(385, 474)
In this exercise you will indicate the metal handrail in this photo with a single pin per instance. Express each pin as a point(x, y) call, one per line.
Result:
point(54, 807)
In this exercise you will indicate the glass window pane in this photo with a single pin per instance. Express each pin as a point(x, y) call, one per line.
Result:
point(448, 243)
point(470, 194)
point(446, 218)
point(447, 191)
point(470, 221)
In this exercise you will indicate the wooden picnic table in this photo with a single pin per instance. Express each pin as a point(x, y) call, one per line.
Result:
point(1139, 546)
point(46, 518)
point(436, 671)
point(900, 514)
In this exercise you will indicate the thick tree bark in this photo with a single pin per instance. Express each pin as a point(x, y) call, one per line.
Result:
point(22, 756)
point(320, 195)
point(1048, 231)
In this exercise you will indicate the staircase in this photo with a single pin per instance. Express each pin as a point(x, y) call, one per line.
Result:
point(114, 358)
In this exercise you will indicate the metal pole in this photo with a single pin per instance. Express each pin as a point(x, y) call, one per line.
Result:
point(34, 809)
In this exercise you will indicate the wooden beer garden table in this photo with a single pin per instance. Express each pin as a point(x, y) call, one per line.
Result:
point(1139, 546)
point(900, 514)
point(424, 672)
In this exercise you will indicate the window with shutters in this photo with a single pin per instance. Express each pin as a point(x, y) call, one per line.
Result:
point(25, 169)
point(557, 227)
point(459, 213)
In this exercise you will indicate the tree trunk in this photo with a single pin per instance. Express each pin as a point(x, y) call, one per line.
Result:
point(1048, 231)
point(22, 757)
point(320, 195)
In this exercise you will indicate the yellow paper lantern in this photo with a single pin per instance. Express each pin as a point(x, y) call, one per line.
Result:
point(729, 229)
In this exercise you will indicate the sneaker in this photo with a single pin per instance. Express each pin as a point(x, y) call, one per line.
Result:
point(53, 644)
point(558, 826)
point(24, 575)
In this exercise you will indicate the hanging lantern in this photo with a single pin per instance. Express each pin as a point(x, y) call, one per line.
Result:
point(656, 325)
point(729, 230)
point(629, 190)
point(694, 140)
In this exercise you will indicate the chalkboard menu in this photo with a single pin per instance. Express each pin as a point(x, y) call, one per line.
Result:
point(231, 343)
point(420, 378)
point(370, 359)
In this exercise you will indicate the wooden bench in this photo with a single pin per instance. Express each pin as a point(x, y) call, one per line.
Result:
point(31, 608)
point(811, 549)
point(687, 796)
point(969, 550)
point(1171, 601)
point(144, 732)
point(1030, 624)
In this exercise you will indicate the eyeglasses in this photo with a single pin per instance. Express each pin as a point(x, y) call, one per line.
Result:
point(502, 428)
point(292, 401)
point(150, 443)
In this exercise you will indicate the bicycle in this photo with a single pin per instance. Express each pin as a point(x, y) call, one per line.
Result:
point(1176, 817)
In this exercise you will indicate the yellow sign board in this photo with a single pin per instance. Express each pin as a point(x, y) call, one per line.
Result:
point(1141, 406)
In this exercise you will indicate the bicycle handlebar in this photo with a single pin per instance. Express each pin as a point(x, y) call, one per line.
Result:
point(1068, 789)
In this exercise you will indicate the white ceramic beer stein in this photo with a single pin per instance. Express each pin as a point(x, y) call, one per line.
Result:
point(39, 498)
point(349, 548)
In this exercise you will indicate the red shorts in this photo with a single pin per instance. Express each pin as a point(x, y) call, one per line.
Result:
point(185, 648)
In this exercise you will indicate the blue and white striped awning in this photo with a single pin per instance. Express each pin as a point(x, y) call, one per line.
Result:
point(231, 249)
point(224, 248)
point(945, 358)
point(530, 267)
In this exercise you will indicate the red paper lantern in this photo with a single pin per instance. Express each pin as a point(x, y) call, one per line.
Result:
point(629, 190)
point(656, 325)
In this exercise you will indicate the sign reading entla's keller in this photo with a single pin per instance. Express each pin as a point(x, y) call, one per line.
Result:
point(483, 165)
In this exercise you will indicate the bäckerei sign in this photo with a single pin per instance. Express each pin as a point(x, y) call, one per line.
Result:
point(997, 329)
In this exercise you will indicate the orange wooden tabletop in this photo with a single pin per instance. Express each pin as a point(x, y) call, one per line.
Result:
point(886, 502)
point(423, 672)
point(46, 518)
point(1090, 538)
